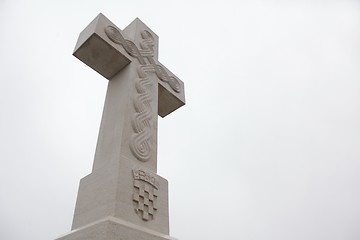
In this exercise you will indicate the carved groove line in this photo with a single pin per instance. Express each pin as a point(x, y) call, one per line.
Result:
point(141, 140)
point(128, 45)
point(140, 143)
point(146, 51)
point(161, 73)
point(141, 123)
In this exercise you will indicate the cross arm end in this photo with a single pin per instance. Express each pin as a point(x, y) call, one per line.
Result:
point(97, 51)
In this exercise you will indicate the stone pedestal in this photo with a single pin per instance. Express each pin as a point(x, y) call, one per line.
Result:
point(122, 201)
point(124, 191)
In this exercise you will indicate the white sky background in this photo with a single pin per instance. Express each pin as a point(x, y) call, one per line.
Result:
point(267, 147)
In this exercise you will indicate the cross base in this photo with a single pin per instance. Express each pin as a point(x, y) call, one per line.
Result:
point(111, 228)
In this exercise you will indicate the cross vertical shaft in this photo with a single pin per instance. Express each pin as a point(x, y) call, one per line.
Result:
point(124, 189)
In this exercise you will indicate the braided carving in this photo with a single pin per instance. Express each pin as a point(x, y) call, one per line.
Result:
point(140, 143)
point(128, 45)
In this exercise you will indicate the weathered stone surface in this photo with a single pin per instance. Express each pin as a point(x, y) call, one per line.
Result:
point(123, 197)
point(97, 51)
point(111, 228)
point(110, 192)
point(108, 57)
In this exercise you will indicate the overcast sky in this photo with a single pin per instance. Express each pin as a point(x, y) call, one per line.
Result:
point(267, 147)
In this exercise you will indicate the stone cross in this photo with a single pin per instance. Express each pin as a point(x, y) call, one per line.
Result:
point(123, 197)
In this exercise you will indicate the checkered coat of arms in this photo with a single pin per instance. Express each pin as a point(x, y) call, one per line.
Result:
point(146, 187)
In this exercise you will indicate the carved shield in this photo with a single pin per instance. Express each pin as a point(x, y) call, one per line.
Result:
point(145, 194)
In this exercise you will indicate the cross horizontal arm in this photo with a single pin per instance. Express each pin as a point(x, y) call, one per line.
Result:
point(106, 49)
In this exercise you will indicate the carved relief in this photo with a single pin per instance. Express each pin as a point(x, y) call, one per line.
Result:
point(145, 194)
point(146, 51)
point(130, 47)
point(162, 74)
point(148, 41)
point(140, 143)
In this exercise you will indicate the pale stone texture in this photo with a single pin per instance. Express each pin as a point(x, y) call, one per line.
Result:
point(123, 197)
point(114, 229)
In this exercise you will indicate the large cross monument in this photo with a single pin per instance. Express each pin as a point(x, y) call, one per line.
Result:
point(124, 198)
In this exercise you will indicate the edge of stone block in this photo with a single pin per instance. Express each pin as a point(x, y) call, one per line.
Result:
point(120, 222)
